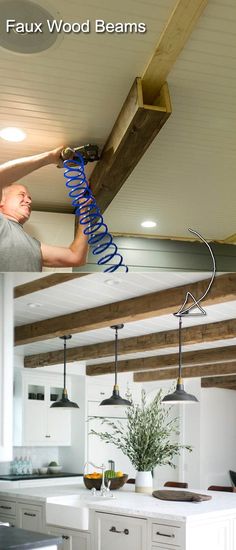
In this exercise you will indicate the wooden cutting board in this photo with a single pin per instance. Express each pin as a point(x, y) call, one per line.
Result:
point(186, 496)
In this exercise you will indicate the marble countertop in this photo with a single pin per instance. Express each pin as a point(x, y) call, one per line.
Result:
point(127, 502)
point(12, 538)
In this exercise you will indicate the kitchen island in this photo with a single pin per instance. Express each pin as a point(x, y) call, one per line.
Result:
point(128, 520)
point(12, 538)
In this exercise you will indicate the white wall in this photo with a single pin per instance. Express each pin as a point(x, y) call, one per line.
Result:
point(218, 439)
point(209, 427)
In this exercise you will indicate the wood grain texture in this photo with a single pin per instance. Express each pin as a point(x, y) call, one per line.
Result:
point(159, 340)
point(172, 40)
point(134, 130)
point(226, 382)
point(141, 307)
point(200, 357)
point(187, 372)
point(45, 282)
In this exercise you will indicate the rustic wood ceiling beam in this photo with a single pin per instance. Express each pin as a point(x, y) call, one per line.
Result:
point(187, 372)
point(146, 108)
point(142, 307)
point(45, 282)
point(191, 335)
point(136, 127)
point(172, 41)
point(226, 382)
point(195, 357)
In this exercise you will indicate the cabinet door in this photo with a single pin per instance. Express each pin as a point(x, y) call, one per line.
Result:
point(72, 540)
point(58, 426)
point(30, 517)
point(116, 532)
point(6, 519)
point(35, 422)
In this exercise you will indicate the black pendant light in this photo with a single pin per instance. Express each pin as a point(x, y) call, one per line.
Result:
point(64, 402)
point(115, 398)
point(180, 395)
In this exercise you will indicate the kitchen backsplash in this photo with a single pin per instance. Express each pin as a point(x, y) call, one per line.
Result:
point(40, 456)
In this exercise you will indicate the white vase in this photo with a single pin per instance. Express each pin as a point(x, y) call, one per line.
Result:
point(144, 482)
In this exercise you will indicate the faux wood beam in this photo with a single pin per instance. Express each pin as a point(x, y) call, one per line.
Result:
point(136, 127)
point(226, 382)
point(142, 307)
point(141, 118)
point(45, 282)
point(155, 341)
point(172, 41)
point(187, 372)
point(200, 357)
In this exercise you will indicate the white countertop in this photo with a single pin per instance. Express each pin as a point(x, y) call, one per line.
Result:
point(127, 502)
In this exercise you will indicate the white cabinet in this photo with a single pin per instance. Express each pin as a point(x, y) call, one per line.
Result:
point(30, 517)
point(72, 540)
point(167, 533)
point(35, 423)
point(8, 511)
point(6, 366)
point(115, 532)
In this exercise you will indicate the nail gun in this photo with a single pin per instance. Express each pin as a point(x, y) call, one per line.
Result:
point(89, 153)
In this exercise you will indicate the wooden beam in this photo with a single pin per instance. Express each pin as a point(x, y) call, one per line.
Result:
point(142, 307)
point(200, 357)
point(172, 41)
point(136, 127)
point(141, 118)
point(45, 282)
point(191, 335)
point(226, 382)
point(187, 372)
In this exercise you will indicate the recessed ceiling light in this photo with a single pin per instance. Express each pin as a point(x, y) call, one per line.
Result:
point(12, 134)
point(35, 304)
point(148, 223)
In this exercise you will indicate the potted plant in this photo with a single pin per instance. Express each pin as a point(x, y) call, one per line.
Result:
point(146, 438)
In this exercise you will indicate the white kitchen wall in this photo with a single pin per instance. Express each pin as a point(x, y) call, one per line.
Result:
point(218, 440)
point(209, 427)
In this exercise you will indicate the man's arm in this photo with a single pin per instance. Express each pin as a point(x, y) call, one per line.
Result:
point(12, 171)
point(74, 255)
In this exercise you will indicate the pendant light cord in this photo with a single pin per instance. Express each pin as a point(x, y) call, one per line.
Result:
point(64, 365)
point(180, 349)
point(116, 354)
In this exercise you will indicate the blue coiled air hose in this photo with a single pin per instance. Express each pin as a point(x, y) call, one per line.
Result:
point(90, 216)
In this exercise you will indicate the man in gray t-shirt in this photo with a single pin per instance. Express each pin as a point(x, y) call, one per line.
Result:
point(19, 251)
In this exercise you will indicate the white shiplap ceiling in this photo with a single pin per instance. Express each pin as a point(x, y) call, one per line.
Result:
point(73, 92)
point(92, 291)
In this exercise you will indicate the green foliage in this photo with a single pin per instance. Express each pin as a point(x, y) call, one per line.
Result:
point(147, 435)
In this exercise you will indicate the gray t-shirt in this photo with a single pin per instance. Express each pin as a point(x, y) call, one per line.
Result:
point(18, 251)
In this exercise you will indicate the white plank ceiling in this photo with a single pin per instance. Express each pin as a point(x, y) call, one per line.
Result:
point(72, 93)
point(93, 291)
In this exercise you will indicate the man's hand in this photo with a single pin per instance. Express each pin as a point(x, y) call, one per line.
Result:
point(54, 155)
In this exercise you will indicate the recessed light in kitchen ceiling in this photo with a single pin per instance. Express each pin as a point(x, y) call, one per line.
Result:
point(25, 11)
point(12, 134)
point(34, 305)
point(148, 223)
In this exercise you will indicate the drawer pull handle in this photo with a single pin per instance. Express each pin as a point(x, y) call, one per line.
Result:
point(5, 507)
point(172, 536)
point(114, 530)
point(47, 436)
point(29, 514)
point(65, 537)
